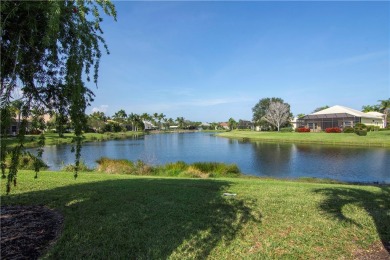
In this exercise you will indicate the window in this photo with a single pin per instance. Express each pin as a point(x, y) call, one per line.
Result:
point(347, 123)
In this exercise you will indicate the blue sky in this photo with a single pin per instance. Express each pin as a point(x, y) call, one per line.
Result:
point(209, 61)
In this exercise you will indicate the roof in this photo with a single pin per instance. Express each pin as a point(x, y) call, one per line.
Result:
point(374, 113)
point(340, 111)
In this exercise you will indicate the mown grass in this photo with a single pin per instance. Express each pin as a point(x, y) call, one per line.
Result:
point(54, 139)
point(376, 138)
point(142, 217)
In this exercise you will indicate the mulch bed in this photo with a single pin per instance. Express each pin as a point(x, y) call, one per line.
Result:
point(28, 231)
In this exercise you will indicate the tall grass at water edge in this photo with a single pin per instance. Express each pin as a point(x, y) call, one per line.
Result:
point(176, 169)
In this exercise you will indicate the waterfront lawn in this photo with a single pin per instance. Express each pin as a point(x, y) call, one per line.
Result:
point(54, 139)
point(376, 138)
point(133, 217)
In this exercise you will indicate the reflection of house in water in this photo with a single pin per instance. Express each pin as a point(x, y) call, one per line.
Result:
point(339, 116)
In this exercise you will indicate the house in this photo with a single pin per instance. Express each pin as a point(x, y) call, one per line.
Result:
point(148, 125)
point(244, 124)
point(340, 116)
point(294, 122)
point(15, 124)
point(224, 125)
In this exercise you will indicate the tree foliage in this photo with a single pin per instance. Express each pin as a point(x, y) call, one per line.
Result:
point(260, 110)
point(320, 108)
point(47, 48)
point(277, 114)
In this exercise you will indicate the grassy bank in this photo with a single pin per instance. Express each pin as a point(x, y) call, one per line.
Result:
point(54, 139)
point(379, 138)
point(133, 217)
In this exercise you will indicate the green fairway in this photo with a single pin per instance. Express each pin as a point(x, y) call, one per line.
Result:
point(133, 217)
point(378, 138)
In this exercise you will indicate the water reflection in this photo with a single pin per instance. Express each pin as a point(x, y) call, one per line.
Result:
point(255, 158)
point(272, 159)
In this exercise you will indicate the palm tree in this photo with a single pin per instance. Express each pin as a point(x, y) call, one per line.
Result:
point(384, 105)
point(132, 119)
point(160, 117)
point(120, 116)
point(16, 109)
point(181, 122)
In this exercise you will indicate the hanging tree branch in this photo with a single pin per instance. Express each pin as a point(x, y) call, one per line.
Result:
point(46, 45)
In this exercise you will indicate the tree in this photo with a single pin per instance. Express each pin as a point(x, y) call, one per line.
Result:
point(300, 115)
point(97, 121)
point(384, 105)
point(260, 109)
point(320, 108)
point(120, 116)
point(369, 108)
point(47, 45)
point(181, 122)
point(232, 123)
point(277, 114)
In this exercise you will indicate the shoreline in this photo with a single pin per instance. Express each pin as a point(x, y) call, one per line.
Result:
point(351, 140)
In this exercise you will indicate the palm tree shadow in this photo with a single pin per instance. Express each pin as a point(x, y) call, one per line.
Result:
point(376, 204)
point(151, 218)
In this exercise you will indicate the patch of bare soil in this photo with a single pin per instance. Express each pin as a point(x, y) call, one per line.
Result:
point(378, 251)
point(28, 231)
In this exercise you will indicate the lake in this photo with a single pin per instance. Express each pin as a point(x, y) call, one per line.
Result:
point(352, 164)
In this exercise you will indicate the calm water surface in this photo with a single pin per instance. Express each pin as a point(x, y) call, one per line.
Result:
point(253, 158)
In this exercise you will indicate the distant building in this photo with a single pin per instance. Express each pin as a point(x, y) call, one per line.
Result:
point(224, 125)
point(245, 124)
point(148, 125)
point(339, 116)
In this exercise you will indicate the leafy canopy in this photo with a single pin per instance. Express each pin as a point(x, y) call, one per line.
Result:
point(261, 108)
point(47, 48)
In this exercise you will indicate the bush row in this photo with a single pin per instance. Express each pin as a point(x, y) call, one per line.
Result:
point(302, 130)
point(333, 130)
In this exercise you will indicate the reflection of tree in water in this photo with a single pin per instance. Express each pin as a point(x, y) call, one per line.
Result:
point(375, 203)
point(272, 159)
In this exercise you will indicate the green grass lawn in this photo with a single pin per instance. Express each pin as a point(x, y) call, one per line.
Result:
point(134, 217)
point(54, 139)
point(378, 138)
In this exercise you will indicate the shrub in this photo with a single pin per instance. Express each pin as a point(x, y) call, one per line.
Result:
point(348, 129)
point(302, 130)
point(177, 166)
point(286, 129)
point(372, 128)
point(360, 126)
point(333, 130)
point(216, 168)
point(361, 132)
point(26, 162)
point(82, 167)
point(115, 166)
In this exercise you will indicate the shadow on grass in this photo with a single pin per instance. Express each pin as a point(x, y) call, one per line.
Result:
point(377, 205)
point(143, 218)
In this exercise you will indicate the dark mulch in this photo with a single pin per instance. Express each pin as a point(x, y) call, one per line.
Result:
point(27, 231)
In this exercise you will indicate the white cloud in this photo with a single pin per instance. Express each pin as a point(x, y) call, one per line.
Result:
point(102, 108)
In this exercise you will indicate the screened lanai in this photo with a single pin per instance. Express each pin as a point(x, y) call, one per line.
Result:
point(322, 121)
